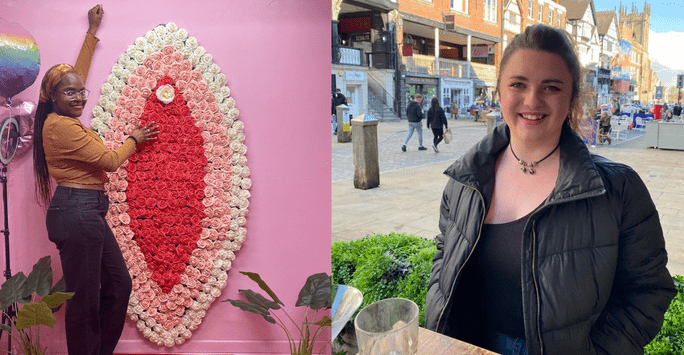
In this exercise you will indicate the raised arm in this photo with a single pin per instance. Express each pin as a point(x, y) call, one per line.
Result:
point(88, 48)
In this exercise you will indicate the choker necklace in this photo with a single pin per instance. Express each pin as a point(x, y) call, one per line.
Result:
point(529, 167)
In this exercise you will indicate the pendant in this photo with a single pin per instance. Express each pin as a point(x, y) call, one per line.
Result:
point(531, 171)
point(523, 169)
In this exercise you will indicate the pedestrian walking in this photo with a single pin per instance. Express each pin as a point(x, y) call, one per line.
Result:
point(337, 99)
point(435, 120)
point(415, 118)
point(544, 247)
point(604, 128)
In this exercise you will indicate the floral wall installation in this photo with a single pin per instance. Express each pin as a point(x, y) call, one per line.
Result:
point(178, 206)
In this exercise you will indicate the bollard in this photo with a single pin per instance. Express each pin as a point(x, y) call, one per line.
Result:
point(492, 117)
point(365, 151)
point(342, 137)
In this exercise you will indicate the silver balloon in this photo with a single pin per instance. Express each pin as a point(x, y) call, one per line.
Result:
point(346, 301)
point(23, 111)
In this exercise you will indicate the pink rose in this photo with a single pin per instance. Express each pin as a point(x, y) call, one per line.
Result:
point(157, 56)
point(168, 50)
point(121, 101)
point(208, 97)
point(167, 60)
point(196, 75)
point(177, 56)
point(157, 66)
point(137, 110)
point(179, 311)
point(124, 218)
point(133, 80)
point(214, 108)
point(202, 86)
point(181, 84)
point(145, 92)
point(142, 70)
point(118, 136)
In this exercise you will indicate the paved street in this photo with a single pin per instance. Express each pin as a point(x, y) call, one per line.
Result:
point(411, 184)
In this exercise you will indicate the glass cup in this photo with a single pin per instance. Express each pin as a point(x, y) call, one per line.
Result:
point(388, 327)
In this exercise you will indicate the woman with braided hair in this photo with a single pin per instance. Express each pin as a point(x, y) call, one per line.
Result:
point(75, 156)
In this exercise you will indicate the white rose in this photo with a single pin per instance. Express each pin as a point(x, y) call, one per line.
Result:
point(166, 93)
point(240, 137)
point(194, 59)
point(132, 66)
point(228, 121)
point(110, 107)
point(124, 59)
point(101, 131)
point(181, 34)
point(103, 101)
point(224, 90)
point(140, 43)
point(150, 48)
point(161, 30)
point(96, 122)
point(218, 97)
point(112, 79)
point(206, 58)
point(151, 36)
point(117, 69)
point(214, 69)
point(208, 77)
point(105, 117)
point(120, 84)
point(139, 57)
point(191, 43)
point(239, 126)
point(131, 50)
point(171, 27)
point(125, 74)
point(113, 96)
point(233, 113)
point(220, 78)
point(186, 52)
point(201, 67)
point(178, 45)
point(168, 40)
point(199, 51)
point(106, 88)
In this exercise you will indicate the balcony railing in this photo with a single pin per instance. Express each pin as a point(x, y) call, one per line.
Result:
point(425, 64)
point(351, 56)
point(419, 63)
point(484, 72)
point(453, 68)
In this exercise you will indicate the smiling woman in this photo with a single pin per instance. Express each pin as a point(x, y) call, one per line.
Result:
point(580, 227)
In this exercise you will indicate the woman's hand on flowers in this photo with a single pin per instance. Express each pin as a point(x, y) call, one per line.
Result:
point(95, 18)
point(146, 133)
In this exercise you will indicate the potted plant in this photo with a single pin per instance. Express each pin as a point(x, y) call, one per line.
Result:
point(39, 299)
point(315, 295)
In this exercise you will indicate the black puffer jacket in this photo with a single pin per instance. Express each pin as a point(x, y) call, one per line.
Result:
point(593, 255)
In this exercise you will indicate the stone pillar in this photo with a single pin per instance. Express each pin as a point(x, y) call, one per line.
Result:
point(342, 137)
point(365, 148)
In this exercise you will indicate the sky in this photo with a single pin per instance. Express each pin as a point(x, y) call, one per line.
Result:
point(666, 39)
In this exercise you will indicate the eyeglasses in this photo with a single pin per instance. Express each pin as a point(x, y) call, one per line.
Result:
point(71, 94)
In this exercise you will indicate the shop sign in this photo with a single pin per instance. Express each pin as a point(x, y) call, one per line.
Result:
point(362, 37)
point(431, 91)
point(418, 80)
point(412, 90)
point(355, 76)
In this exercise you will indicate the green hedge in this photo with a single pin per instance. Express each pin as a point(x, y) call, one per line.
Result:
point(670, 340)
point(398, 265)
point(385, 266)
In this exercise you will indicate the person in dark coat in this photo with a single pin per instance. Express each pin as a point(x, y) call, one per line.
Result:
point(544, 247)
point(337, 99)
point(435, 120)
point(415, 117)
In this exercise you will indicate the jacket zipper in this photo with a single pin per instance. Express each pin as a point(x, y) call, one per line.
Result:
point(479, 233)
point(536, 285)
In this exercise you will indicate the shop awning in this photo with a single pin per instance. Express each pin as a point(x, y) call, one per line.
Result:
point(424, 27)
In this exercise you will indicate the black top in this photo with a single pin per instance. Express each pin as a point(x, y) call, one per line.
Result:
point(436, 120)
point(490, 290)
point(413, 112)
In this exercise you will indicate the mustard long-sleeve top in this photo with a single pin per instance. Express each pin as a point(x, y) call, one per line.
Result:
point(73, 152)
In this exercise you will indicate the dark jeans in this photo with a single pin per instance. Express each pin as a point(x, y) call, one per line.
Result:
point(501, 343)
point(439, 135)
point(93, 267)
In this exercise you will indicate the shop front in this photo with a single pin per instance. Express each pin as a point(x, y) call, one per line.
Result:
point(426, 86)
point(457, 95)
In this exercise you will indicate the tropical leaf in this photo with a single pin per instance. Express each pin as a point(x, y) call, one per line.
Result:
point(256, 278)
point(316, 292)
point(57, 299)
point(60, 286)
point(257, 298)
point(34, 314)
point(323, 322)
point(40, 279)
point(5, 328)
point(252, 308)
point(11, 291)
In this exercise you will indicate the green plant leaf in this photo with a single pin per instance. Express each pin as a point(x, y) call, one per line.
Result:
point(40, 279)
point(256, 278)
point(257, 298)
point(5, 328)
point(60, 286)
point(323, 322)
point(316, 292)
point(34, 314)
point(11, 291)
point(253, 308)
point(57, 299)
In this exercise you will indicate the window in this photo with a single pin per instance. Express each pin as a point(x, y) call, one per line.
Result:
point(609, 46)
point(540, 8)
point(530, 5)
point(490, 10)
point(550, 17)
point(559, 20)
point(459, 5)
point(505, 42)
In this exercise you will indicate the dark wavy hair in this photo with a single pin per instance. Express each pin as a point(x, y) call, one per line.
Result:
point(434, 106)
point(556, 41)
point(40, 169)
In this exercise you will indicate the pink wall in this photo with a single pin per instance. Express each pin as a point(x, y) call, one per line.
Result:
point(275, 55)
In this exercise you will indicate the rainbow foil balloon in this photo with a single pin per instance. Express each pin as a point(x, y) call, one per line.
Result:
point(19, 59)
